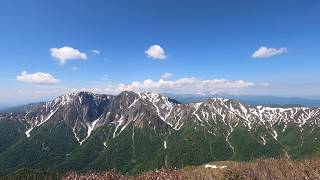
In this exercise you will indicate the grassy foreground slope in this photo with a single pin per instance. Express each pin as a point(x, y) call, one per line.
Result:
point(263, 169)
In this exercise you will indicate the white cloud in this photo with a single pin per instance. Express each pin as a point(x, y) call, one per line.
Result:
point(67, 53)
point(95, 51)
point(166, 75)
point(156, 52)
point(37, 78)
point(181, 86)
point(265, 52)
point(186, 85)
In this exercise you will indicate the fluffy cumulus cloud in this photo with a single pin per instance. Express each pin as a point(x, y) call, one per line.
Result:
point(156, 52)
point(67, 53)
point(265, 52)
point(166, 75)
point(37, 78)
point(186, 85)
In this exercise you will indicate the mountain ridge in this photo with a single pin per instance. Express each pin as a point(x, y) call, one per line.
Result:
point(152, 97)
point(148, 130)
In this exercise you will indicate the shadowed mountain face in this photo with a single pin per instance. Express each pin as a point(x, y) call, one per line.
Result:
point(138, 131)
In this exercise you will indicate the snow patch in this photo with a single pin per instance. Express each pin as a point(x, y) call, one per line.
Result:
point(118, 125)
point(214, 166)
point(210, 166)
point(165, 144)
point(41, 122)
point(196, 106)
point(264, 142)
point(90, 128)
point(105, 144)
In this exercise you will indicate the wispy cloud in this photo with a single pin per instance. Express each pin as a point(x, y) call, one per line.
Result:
point(265, 52)
point(166, 75)
point(156, 52)
point(105, 77)
point(37, 78)
point(67, 53)
point(95, 51)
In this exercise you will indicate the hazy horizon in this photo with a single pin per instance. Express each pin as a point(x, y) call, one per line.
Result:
point(47, 99)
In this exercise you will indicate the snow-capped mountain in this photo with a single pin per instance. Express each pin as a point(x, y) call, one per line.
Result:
point(85, 112)
point(79, 110)
point(168, 133)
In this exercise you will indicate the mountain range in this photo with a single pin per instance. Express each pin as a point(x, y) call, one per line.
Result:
point(265, 100)
point(133, 132)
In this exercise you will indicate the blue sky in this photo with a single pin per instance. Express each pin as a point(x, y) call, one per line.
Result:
point(208, 47)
